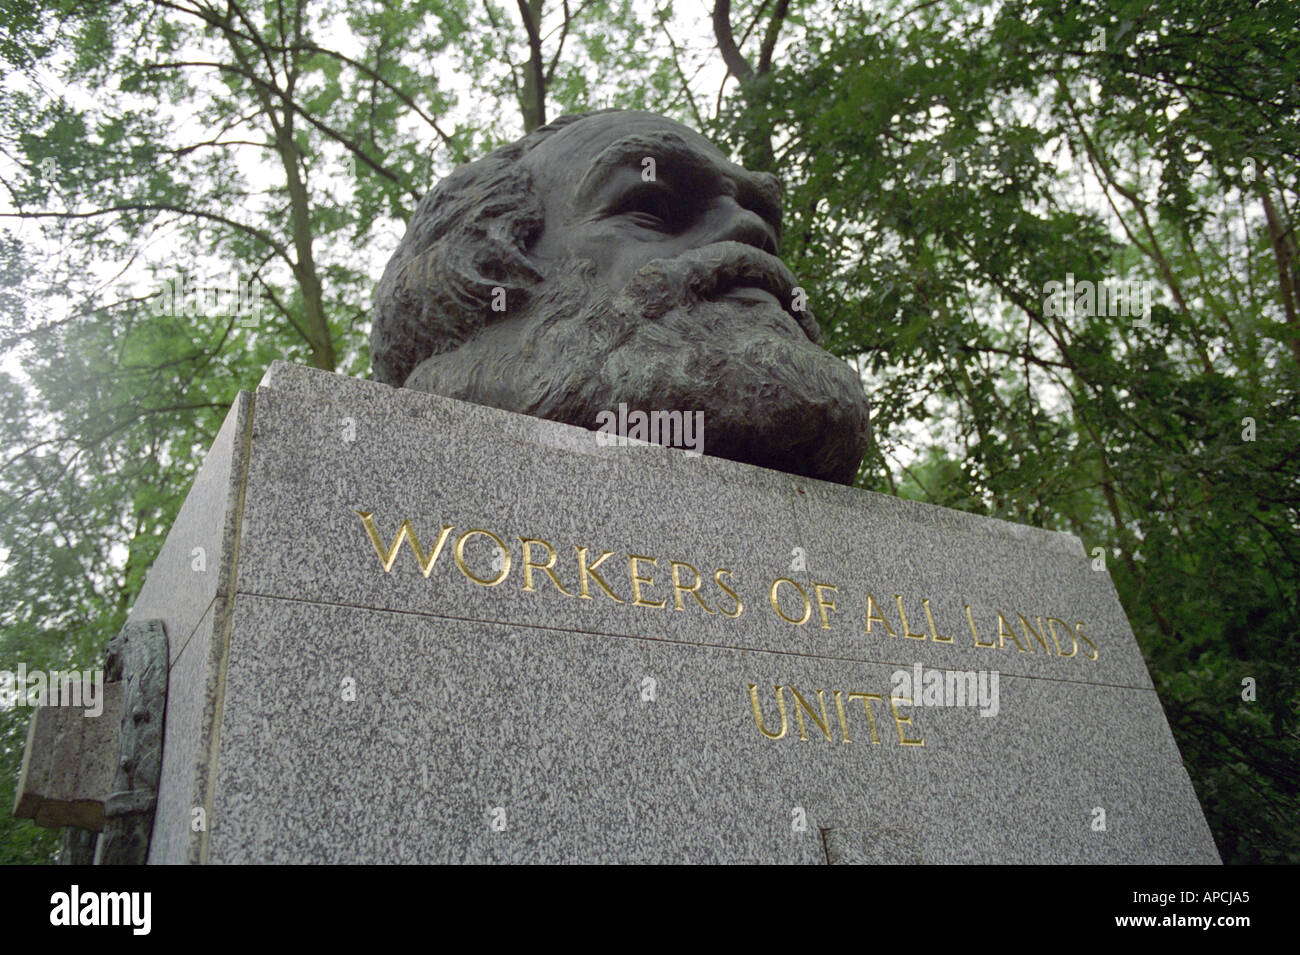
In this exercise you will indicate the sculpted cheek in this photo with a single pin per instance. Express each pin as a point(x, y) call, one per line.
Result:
point(615, 254)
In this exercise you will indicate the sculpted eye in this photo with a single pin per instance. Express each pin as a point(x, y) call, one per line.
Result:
point(650, 206)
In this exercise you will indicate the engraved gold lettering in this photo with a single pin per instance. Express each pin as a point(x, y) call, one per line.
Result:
point(975, 633)
point(776, 603)
point(839, 709)
point(902, 617)
point(872, 605)
point(1031, 632)
point(1078, 628)
point(823, 724)
point(637, 580)
point(758, 714)
point(547, 568)
point(717, 579)
point(1004, 631)
point(459, 554)
point(588, 572)
point(822, 603)
point(900, 720)
point(934, 635)
point(866, 699)
point(693, 590)
point(405, 532)
point(1051, 628)
point(1050, 632)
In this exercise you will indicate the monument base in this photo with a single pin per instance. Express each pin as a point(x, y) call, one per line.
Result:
point(404, 628)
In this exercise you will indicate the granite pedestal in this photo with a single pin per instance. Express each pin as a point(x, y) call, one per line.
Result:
point(407, 629)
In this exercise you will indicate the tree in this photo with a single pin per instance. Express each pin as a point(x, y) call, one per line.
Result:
point(943, 162)
point(926, 154)
point(195, 218)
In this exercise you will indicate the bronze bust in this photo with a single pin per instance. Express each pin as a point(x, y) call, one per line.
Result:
point(618, 257)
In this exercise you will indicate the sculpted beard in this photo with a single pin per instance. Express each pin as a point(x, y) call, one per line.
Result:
point(769, 395)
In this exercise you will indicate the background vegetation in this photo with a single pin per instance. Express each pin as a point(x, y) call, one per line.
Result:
point(943, 162)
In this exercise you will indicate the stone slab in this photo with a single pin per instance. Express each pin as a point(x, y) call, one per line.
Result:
point(194, 562)
point(187, 743)
point(335, 710)
point(69, 764)
point(551, 728)
point(190, 588)
point(493, 472)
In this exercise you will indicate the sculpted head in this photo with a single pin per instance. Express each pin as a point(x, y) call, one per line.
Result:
point(619, 257)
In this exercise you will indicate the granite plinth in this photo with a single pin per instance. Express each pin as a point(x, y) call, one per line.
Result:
point(331, 702)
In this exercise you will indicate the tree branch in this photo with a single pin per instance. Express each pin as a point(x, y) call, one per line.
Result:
point(736, 63)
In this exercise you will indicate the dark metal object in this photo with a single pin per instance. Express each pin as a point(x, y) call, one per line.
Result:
point(618, 258)
point(78, 846)
point(137, 657)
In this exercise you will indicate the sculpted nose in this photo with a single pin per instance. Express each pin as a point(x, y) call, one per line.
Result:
point(732, 222)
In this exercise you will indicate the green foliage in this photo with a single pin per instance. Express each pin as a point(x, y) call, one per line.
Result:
point(935, 162)
point(265, 147)
point(942, 163)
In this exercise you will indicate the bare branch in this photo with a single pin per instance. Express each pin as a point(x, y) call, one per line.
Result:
point(770, 37)
point(736, 63)
point(564, 32)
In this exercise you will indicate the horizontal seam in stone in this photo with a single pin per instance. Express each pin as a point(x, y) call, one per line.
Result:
point(687, 643)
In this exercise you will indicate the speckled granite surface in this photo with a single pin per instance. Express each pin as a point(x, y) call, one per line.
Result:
point(324, 709)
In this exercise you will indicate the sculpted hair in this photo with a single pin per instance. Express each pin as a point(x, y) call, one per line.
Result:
point(466, 239)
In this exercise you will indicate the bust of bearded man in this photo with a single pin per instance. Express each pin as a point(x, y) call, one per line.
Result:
point(618, 258)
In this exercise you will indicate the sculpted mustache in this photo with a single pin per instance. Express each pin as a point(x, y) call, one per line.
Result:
point(710, 271)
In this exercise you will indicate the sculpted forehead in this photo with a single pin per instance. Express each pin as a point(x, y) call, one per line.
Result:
point(562, 165)
point(586, 138)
